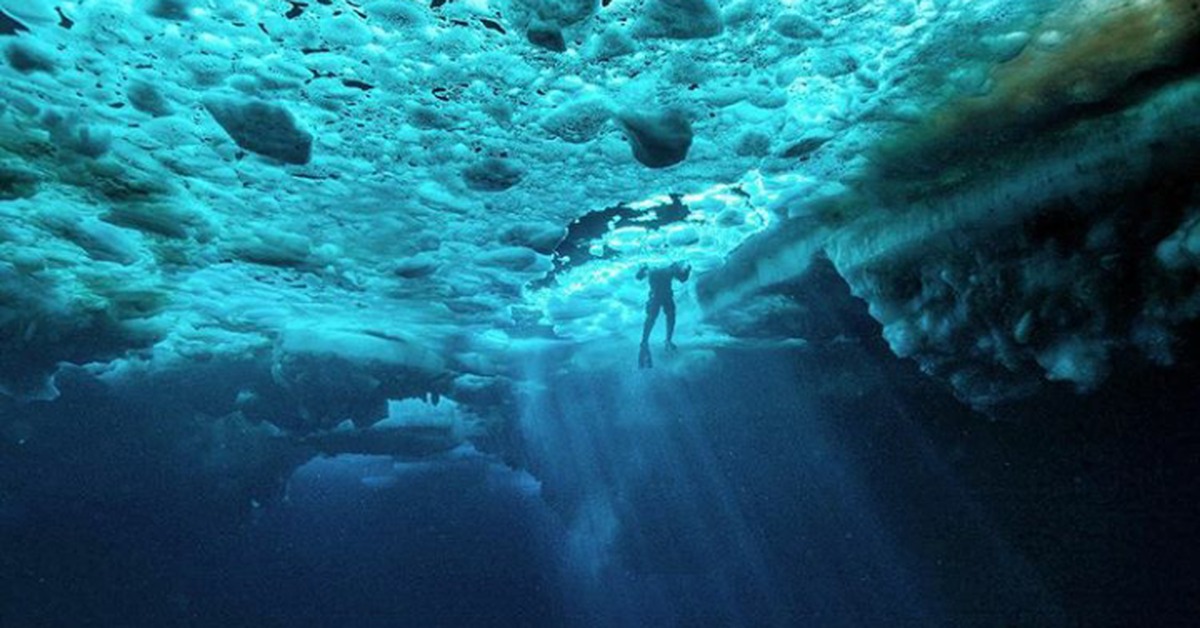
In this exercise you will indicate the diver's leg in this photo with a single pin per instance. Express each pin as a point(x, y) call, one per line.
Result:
point(652, 308)
point(669, 308)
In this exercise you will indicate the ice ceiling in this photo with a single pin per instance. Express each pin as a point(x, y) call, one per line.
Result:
point(356, 201)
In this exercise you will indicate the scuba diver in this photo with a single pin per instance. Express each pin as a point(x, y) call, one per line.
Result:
point(662, 297)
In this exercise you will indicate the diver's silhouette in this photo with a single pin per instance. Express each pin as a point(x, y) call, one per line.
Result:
point(662, 297)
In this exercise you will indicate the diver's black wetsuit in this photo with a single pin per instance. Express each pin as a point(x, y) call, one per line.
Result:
point(662, 298)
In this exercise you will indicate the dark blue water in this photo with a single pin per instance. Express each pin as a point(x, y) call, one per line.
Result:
point(816, 487)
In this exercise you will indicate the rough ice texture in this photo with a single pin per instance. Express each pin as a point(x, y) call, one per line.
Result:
point(199, 178)
point(262, 128)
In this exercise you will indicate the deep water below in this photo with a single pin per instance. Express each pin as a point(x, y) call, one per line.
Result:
point(821, 486)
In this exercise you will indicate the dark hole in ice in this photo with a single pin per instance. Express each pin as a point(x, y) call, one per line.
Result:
point(493, 25)
point(575, 248)
point(296, 11)
point(64, 21)
point(10, 26)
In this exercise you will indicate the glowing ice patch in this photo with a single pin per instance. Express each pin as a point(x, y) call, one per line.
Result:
point(414, 412)
point(216, 40)
point(626, 239)
point(653, 201)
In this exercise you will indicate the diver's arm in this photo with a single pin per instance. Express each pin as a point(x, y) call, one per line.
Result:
point(641, 274)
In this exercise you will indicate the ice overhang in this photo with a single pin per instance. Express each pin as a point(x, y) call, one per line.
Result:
point(187, 181)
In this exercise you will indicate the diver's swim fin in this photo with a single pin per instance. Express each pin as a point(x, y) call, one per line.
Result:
point(644, 360)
